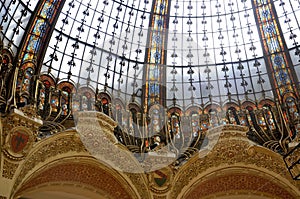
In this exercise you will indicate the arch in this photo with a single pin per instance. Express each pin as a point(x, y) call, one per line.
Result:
point(105, 95)
point(6, 71)
point(25, 77)
point(235, 181)
point(264, 102)
point(212, 106)
point(193, 109)
point(84, 99)
point(63, 190)
point(232, 155)
point(246, 104)
point(231, 114)
point(7, 56)
point(175, 110)
point(47, 78)
point(51, 162)
point(103, 102)
point(118, 102)
point(134, 105)
point(229, 105)
point(86, 171)
point(67, 86)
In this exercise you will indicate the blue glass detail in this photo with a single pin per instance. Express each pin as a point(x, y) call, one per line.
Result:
point(278, 60)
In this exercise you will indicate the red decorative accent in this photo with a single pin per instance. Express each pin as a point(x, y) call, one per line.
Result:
point(104, 101)
point(238, 182)
point(19, 141)
point(82, 173)
point(160, 178)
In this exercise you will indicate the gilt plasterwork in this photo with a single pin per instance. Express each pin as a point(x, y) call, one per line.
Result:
point(166, 186)
point(70, 142)
point(232, 148)
point(237, 181)
point(9, 169)
point(56, 145)
point(96, 133)
point(81, 170)
point(18, 121)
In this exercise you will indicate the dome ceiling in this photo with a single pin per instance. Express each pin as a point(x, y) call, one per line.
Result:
point(15, 16)
point(174, 68)
point(213, 48)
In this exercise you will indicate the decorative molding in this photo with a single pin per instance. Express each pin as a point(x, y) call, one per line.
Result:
point(140, 183)
point(88, 116)
point(18, 143)
point(84, 173)
point(3, 197)
point(71, 141)
point(159, 196)
point(96, 132)
point(9, 169)
point(58, 144)
point(237, 182)
point(31, 112)
point(160, 180)
point(75, 188)
point(232, 148)
point(19, 133)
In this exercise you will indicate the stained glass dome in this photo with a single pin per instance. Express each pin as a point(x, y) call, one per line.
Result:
point(175, 68)
point(211, 49)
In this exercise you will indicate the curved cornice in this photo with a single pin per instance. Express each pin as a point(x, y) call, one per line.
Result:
point(231, 150)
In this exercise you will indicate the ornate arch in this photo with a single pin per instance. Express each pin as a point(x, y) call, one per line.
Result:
point(235, 181)
point(84, 171)
point(232, 154)
point(63, 159)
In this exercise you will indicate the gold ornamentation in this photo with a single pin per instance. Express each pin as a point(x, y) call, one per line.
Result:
point(57, 144)
point(9, 169)
point(238, 182)
point(96, 121)
point(84, 173)
point(159, 196)
point(160, 180)
point(139, 181)
point(30, 111)
point(96, 132)
point(232, 147)
point(19, 132)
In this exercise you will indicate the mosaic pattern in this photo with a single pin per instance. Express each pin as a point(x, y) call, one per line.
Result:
point(40, 28)
point(274, 46)
point(155, 65)
point(14, 19)
point(34, 41)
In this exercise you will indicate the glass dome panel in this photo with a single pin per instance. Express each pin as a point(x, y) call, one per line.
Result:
point(104, 42)
point(15, 16)
point(213, 48)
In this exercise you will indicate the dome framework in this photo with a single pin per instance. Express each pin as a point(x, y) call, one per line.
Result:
point(161, 69)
